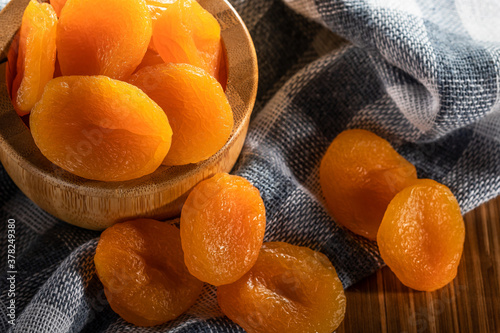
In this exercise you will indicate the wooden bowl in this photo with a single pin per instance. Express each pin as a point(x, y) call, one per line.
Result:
point(160, 195)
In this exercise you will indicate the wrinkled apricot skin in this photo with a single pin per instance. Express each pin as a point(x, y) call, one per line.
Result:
point(196, 106)
point(110, 41)
point(289, 289)
point(422, 235)
point(140, 264)
point(359, 175)
point(222, 228)
point(99, 128)
point(187, 33)
point(35, 56)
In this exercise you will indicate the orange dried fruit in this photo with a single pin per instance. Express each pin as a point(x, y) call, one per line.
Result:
point(151, 58)
point(359, 175)
point(422, 235)
point(196, 106)
point(140, 264)
point(289, 289)
point(35, 57)
point(187, 33)
point(103, 37)
point(100, 128)
point(58, 6)
point(222, 227)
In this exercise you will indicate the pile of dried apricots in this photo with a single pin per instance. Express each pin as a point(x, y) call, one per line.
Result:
point(152, 272)
point(111, 94)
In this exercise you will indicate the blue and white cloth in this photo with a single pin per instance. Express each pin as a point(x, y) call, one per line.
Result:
point(424, 74)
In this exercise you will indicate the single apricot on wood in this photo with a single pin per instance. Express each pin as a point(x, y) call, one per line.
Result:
point(141, 266)
point(34, 58)
point(103, 37)
point(99, 128)
point(187, 33)
point(359, 175)
point(196, 106)
point(222, 227)
point(422, 235)
point(289, 289)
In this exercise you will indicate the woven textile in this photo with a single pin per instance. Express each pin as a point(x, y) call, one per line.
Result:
point(421, 73)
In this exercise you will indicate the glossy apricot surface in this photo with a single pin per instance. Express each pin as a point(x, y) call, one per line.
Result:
point(196, 106)
point(100, 128)
point(289, 289)
point(141, 265)
point(222, 227)
point(359, 175)
point(103, 37)
point(422, 235)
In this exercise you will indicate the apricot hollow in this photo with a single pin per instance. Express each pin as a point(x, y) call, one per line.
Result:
point(289, 289)
point(58, 6)
point(359, 175)
point(35, 57)
point(103, 37)
point(140, 264)
point(196, 106)
point(222, 227)
point(422, 235)
point(187, 33)
point(100, 128)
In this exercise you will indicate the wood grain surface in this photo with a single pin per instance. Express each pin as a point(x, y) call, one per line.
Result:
point(471, 303)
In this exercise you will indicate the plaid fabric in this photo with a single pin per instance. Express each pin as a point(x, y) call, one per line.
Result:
point(421, 73)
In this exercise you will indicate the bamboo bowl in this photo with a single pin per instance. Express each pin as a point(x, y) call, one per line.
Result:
point(97, 205)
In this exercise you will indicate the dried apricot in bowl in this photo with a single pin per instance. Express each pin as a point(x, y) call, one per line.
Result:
point(422, 235)
point(222, 227)
point(359, 175)
point(99, 128)
point(289, 289)
point(36, 56)
point(196, 106)
point(103, 37)
point(141, 265)
point(187, 33)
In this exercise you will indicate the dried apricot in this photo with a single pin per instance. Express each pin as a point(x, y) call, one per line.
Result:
point(196, 106)
point(100, 128)
point(151, 58)
point(359, 175)
point(187, 33)
point(422, 235)
point(222, 227)
point(58, 6)
point(36, 56)
point(289, 289)
point(103, 37)
point(141, 265)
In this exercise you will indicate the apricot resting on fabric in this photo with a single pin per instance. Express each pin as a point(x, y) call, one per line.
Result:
point(222, 228)
point(196, 106)
point(422, 235)
point(141, 266)
point(100, 128)
point(289, 289)
point(36, 56)
point(359, 175)
point(187, 33)
point(109, 41)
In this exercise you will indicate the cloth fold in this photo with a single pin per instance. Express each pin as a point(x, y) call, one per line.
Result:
point(423, 74)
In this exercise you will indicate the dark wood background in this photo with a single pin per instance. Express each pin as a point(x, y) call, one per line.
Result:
point(471, 303)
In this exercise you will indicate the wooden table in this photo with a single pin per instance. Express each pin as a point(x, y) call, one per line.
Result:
point(471, 303)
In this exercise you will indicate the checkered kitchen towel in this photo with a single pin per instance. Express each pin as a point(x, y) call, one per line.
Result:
point(421, 73)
